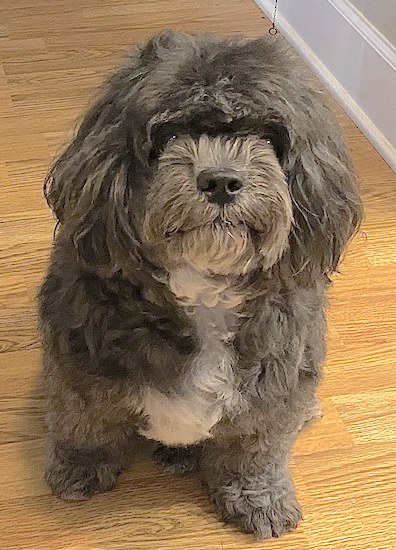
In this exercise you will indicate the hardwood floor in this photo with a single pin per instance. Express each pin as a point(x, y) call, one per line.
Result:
point(53, 53)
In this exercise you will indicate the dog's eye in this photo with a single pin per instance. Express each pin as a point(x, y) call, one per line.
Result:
point(160, 143)
point(277, 136)
point(167, 139)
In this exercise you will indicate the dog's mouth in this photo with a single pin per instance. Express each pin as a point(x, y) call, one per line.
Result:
point(218, 223)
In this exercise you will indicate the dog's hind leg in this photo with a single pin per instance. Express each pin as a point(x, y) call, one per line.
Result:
point(178, 460)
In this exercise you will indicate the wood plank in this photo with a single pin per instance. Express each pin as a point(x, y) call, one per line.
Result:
point(53, 54)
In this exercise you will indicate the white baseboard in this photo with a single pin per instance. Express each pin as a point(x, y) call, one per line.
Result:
point(351, 57)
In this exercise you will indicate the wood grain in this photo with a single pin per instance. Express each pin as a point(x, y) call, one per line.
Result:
point(53, 53)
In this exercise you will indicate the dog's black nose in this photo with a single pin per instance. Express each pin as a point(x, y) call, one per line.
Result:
point(220, 186)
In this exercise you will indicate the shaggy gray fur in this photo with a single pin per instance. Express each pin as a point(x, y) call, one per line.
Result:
point(190, 321)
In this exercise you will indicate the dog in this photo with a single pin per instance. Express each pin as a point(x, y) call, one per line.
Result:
point(204, 203)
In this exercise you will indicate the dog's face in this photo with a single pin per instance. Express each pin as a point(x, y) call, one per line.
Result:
point(219, 203)
point(214, 153)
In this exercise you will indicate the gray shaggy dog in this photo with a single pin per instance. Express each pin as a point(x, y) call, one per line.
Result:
point(204, 203)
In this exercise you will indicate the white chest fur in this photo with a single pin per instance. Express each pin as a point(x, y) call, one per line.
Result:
point(193, 288)
point(209, 388)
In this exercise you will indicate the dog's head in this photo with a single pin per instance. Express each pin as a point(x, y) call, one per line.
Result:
point(218, 153)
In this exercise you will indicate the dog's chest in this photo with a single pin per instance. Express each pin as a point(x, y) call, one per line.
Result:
point(193, 288)
point(209, 387)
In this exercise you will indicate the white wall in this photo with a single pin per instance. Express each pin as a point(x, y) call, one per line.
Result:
point(355, 61)
point(381, 14)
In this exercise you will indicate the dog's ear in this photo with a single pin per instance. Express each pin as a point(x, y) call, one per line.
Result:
point(89, 187)
point(326, 206)
point(327, 210)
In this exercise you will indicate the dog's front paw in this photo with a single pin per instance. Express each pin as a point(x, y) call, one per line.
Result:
point(256, 506)
point(74, 474)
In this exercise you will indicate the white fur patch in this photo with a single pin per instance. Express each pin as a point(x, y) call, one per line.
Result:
point(177, 421)
point(209, 388)
point(192, 287)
